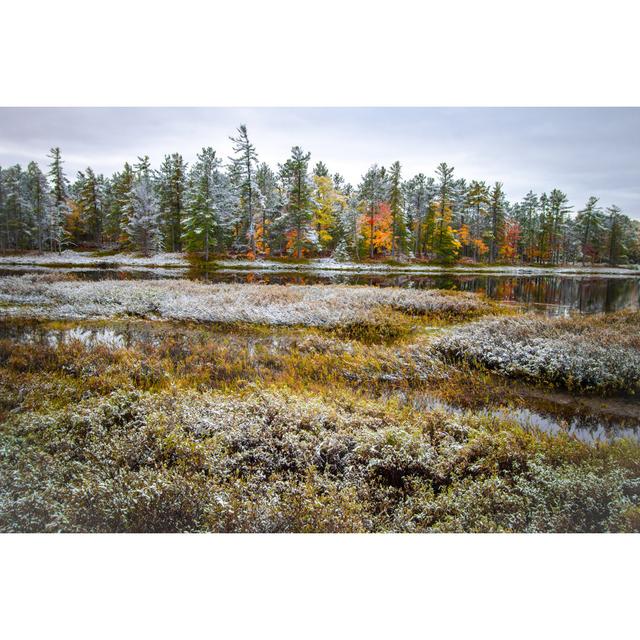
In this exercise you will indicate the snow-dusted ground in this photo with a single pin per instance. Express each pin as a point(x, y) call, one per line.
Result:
point(325, 305)
point(327, 264)
point(323, 264)
point(70, 257)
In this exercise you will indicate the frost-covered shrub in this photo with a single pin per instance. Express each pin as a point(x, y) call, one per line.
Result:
point(564, 353)
point(542, 499)
point(273, 461)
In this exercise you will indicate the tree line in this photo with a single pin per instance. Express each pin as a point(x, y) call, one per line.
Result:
point(245, 207)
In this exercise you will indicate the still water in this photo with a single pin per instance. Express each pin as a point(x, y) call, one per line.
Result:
point(553, 294)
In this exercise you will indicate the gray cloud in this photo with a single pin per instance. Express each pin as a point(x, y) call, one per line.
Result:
point(584, 151)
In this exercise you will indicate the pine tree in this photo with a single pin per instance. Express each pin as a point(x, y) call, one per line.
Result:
point(497, 212)
point(121, 205)
point(144, 224)
point(299, 200)
point(415, 197)
point(243, 170)
point(590, 225)
point(40, 205)
point(209, 204)
point(59, 192)
point(348, 222)
point(529, 224)
point(16, 204)
point(558, 213)
point(478, 201)
point(321, 169)
point(444, 211)
point(172, 185)
point(616, 246)
point(269, 207)
point(396, 205)
point(89, 201)
point(546, 229)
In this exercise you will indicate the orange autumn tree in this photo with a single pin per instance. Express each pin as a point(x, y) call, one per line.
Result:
point(378, 221)
point(509, 248)
point(480, 246)
point(260, 239)
point(464, 235)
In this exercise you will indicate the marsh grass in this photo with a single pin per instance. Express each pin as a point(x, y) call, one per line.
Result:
point(327, 306)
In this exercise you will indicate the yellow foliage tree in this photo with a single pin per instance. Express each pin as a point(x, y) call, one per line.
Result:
point(327, 202)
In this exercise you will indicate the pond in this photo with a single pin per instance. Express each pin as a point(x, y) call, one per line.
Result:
point(553, 293)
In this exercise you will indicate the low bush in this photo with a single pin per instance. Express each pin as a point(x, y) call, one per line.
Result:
point(276, 461)
point(582, 354)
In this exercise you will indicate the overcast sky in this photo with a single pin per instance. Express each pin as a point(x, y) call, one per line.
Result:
point(583, 151)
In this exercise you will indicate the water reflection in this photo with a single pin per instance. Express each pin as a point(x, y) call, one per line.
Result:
point(554, 294)
point(559, 293)
point(595, 427)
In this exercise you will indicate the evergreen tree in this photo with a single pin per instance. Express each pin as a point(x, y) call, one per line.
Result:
point(40, 205)
point(616, 246)
point(478, 201)
point(590, 226)
point(299, 201)
point(415, 197)
point(444, 211)
point(372, 192)
point(59, 192)
point(16, 204)
point(172, 185)
point(89, 201)
point(243, 170)
point(269, 207)
point(144, 223)
point(209, 204)
point(558, 212)
point(121, 204)
point(396, 205)
point(321, 169)
point(497, 213)
point(530, 225)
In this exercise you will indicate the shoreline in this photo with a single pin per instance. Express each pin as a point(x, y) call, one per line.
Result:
point(72, 259)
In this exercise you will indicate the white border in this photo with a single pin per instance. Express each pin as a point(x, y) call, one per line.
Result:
point(333, 53)
point(289, 53)
point(297, 586)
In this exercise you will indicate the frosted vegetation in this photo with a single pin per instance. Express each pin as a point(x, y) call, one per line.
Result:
point(598, 354)
point(276, 461)
point(316, 306)
point(88, 258)
point(174, 405)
